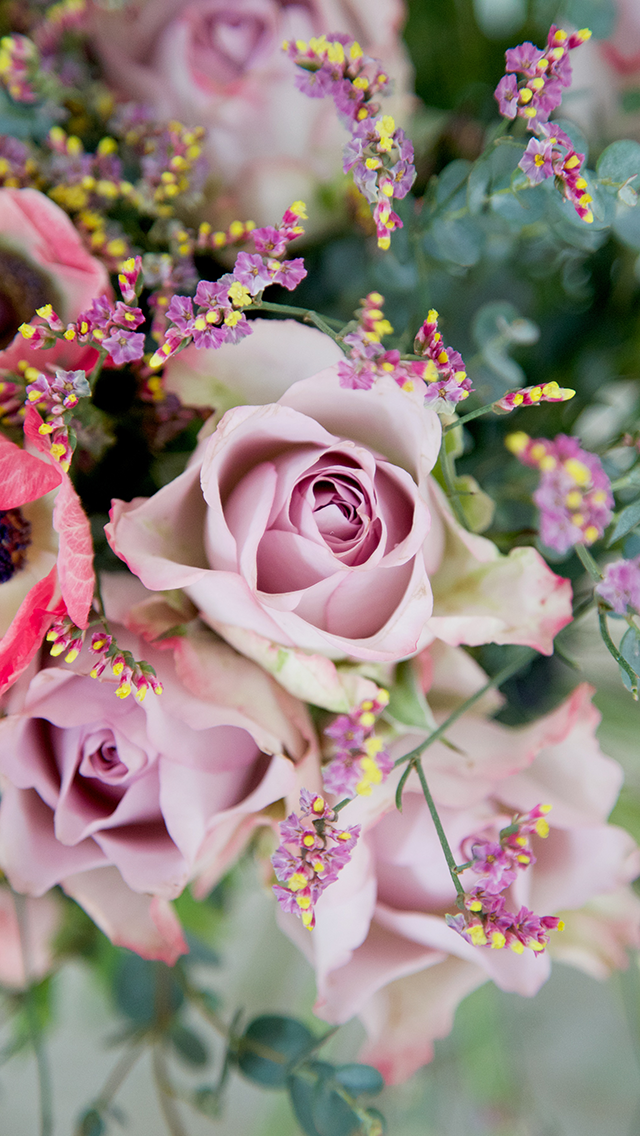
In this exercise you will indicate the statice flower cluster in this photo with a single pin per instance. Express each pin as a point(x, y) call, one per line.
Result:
point(361, 760)
point(56, 395)
point(17, 167)
point(110, 660)
point(545, 73)
point(220, 304)
point(19, 67)
point(378, 153)
point(485, 920)
point(620, 585)
point(107, 326)
point(574, 495)
point(445, 375)
point(312, 852)
point(533, 396)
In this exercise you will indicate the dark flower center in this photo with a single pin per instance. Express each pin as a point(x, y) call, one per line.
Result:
point(23, 288)
point(15, 538)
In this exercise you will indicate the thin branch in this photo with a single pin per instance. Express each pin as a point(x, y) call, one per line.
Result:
point(306, 314)
point(452, 492)
point(42, 1064)
point(166, 1094)
point(498, 679)
point(435, 816)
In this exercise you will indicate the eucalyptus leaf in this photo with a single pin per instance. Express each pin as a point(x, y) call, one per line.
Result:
point(269, 1045)
point(91, 1123)
point(620, 161)
point(407, 703)
point(630, 648)
point(627, 520)
point(359, 1079)
point(188, 1044)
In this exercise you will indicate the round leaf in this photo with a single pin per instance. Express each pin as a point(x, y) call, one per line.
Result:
point(359, 1079)
point(269, 1045)
point(187, 1043)
point(91, 1124)
point(620, 161)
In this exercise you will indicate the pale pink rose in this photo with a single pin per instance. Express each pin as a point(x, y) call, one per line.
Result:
point(312, 522)
point(381, 948)
point(42, 261)
point(119, 801)
point(26, 953)
point(219, 64)
point(47, 563)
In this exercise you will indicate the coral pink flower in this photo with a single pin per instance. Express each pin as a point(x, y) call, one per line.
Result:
point(220, 65)
point(35, 584)
point(122, 802)
point(381, 947)
point(312, 521)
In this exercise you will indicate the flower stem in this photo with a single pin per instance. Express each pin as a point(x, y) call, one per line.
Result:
point(469, 417)
point(452, 493)
point(166, 1094)
point(435, 816)
point(306, 314)
point(498, 679)
point(613, 650)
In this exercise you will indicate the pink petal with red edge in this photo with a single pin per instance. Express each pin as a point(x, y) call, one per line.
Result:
point(23, 477)
point(75, 558)
point(32, 619)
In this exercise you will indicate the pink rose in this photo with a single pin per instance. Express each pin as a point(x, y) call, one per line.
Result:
point(42, 261)
point(603, 70)
point(219, 64)
point(46, 566)
point(312, 521)
point(122, 802)
point(381, 947)
point(28, 956)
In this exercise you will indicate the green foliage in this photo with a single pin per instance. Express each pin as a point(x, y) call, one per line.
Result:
point(269, 1045)
point(626, 520)
point(188, 1045)
point(630, 651)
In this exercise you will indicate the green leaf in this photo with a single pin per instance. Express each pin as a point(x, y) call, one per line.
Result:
point(458, 240)
point(269, 1045)
point(630, 649)
point(319, 1109)
point(359, 1079)
point(187, 1043)
point(407, 702)
point(135, 987)
point(451, 179)
point(91, 1123)
point(477, 506)
point(627, 519)
point(626, 225)
point(206, 1100)
point(619, 162)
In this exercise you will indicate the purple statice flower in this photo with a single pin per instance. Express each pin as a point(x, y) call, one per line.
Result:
point(574, 495)
point(313, 851)
point(126, 316)
point(536, 162)
point(366, 180)
point(287, 273)
point(347, 99)
point(314, 84)
point(355, 377)
point(180, 312)
point(353, 150)
point(238, 331)
point(507, 95)
point(98, 315)
point(360, 760)
point(251, 271)
point(620, 587)
point(124, 346)
point(524, 58)
point(495, 863)
point(59, 392)
point(211, 293)
point(210, 336)
point(270, 241)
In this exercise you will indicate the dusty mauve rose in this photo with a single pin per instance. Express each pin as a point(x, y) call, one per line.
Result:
point(312, 522)
point(120, 801)
point(381, 947)
point(219, 64)
point(42, 261)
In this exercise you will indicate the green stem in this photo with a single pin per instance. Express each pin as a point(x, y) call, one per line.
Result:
point(452, 493)
point(306, 314)
point(42, 1065)
point(166, 1095)
point(583, 554)
point(469, 417)
point(446, 847)
point(613, 650)
point(498, 679)
point(95, 374)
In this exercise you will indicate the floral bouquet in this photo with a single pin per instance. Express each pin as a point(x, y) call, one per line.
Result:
point(294, 595)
